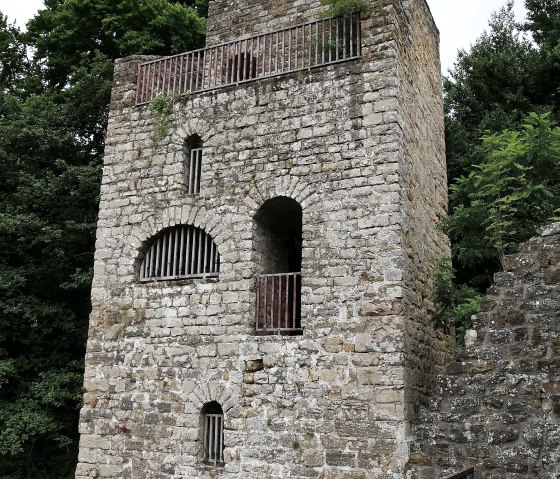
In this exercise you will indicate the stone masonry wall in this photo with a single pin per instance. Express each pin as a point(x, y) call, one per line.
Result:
point(498, 406)
point(232, 19)
point(424, 184)
point(329, 403)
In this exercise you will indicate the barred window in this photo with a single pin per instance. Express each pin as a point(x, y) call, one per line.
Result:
point(213, 433)
point(183, 251)
point(193, 147)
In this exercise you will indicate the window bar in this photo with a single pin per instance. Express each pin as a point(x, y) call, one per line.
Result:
point(344, 46)
point(270, 55)
point(198, 169)
point(238, 63)
point(210, 437)
point(157, 70)
point(216, 439)
point(199, 256)
point(282, 54)
point(337, 40)
point(303, 30)
point(175, 257)
point(140, 87)
point(221, 439)
point(323, 42)
point(204, 63)
point(279, 318)
point(358, 35)
point(290, 49)
point(181, 61)
point(164, 240)
point(174, 64)
point(286, 297)
point(352, 32)
point(180, 256)
point(219, 65)
point(249, 59)
point(265, 297)
point(296, 50)
point(258, 59)
point(165, 85)
point(295, 300)
point(202, 252)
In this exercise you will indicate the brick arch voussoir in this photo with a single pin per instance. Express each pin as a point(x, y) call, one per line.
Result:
point(290, 186)
point(193, 126)
point(212, 391)
point(199, 217)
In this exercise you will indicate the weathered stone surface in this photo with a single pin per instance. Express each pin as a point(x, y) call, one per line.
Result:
point(498, 408)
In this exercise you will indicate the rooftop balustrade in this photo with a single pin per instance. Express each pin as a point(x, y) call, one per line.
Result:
point(298, 48)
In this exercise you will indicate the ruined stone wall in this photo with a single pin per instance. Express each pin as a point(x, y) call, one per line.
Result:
point(498, 406)
point(329, 403)
point(232, 19)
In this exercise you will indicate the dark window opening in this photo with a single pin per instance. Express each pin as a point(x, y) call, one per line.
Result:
point(278, 245)
point(213, 433)
point(193, 150)
point(180, 252)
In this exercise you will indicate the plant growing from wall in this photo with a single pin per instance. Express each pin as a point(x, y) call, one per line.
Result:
point(336, 8)
point(454, 304)
point(161, 108)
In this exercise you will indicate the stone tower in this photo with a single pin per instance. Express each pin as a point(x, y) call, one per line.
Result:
point(265, 246)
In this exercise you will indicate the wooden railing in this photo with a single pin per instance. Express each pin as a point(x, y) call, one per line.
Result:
point(302, 47)
point(465, 474)
point(278, 303)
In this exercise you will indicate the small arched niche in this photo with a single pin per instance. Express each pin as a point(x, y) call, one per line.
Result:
point(278, 245)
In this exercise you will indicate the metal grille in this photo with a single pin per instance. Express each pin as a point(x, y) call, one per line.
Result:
point(195, 171)
point(278, 305)
point(214, 438)
point(466, 474)
point(181, 252)
point(302, 47)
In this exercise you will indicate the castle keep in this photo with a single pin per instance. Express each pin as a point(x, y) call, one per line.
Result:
point(265, 247)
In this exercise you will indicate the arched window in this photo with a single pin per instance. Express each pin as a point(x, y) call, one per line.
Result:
point(213, 433)
point(180, 252)
point(278, 243)
point(193, 151)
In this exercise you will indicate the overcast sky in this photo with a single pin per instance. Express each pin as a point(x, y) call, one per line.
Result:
point(460, 21)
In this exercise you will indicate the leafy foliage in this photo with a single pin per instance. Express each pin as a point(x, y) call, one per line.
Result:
point(504, 199)
point(492, 89)
point(53, 114)
point(454, 304)
point(338, 8)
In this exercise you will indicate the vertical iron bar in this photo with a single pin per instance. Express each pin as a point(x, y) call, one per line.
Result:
point(265, 296)
point(279, 319)
point(181, 269)
point(200, 247)
point(351, 21)
point(290, 49)
point(287, 301)
point(273, 278)
point(294, 302)
point(257, 301)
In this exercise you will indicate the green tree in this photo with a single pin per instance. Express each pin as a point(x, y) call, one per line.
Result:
point(53, 113)
point(505, 198)
point(490, 88)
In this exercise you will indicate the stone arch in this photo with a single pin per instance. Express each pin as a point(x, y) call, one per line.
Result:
point(211, 391)
point(289, 186)
point(193, 126)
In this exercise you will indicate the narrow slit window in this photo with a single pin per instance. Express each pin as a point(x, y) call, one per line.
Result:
point(194, 149)
point(213, 433)
point(180, 252)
